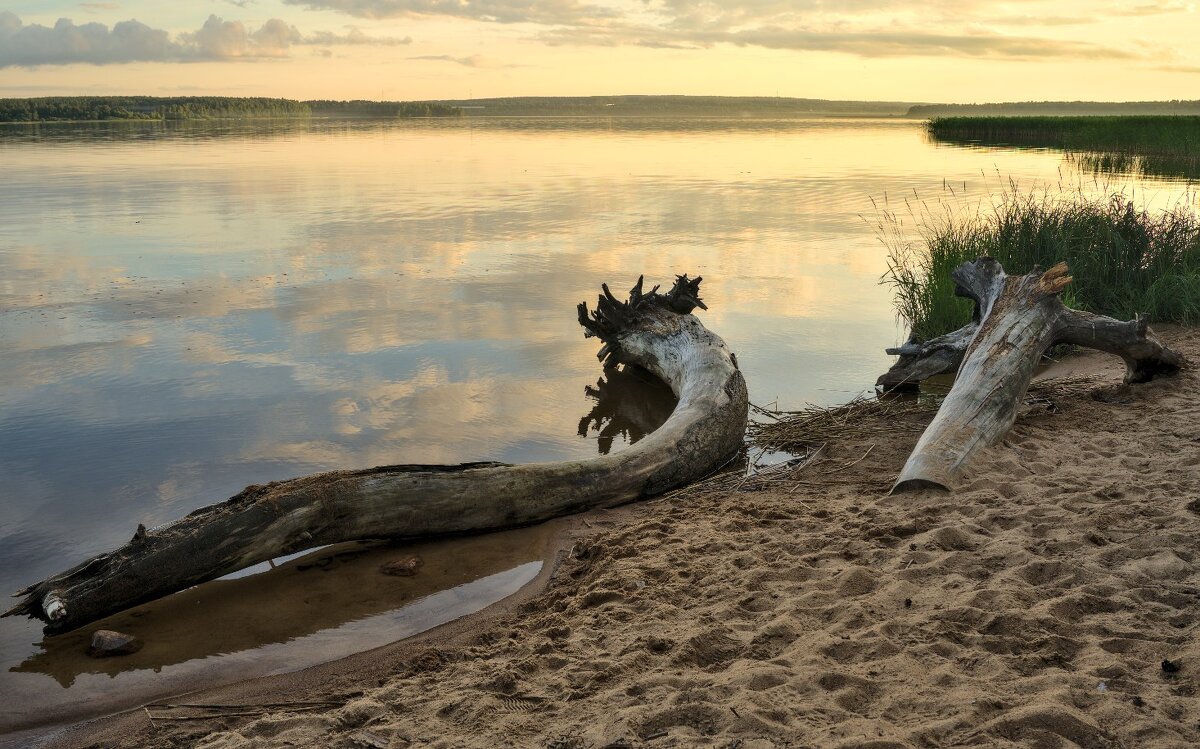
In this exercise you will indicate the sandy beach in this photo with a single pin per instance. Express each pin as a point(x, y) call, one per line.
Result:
point(1051, 602)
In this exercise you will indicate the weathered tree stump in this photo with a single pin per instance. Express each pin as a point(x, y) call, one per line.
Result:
point(654, 331)
point(1016, 319)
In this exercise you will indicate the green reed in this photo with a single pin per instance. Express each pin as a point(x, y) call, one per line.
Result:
point(1158, 146)
point(1145, 135)
point(1124, 260)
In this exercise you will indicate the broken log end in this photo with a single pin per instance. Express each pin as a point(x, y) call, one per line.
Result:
point(54, 606)
point(1052, 282)
point(979, 280)
point(1144, 370)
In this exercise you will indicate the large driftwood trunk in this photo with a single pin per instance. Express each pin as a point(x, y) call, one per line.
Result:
point(654, 331)
point(1016, 320)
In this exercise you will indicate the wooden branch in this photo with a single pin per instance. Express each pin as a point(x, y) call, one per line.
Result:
point(1145, 358)
point(943, 355)
point(653, 331)
point(1018, 318)
point(921, 360)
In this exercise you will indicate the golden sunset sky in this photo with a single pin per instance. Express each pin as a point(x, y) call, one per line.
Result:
point(938, 50)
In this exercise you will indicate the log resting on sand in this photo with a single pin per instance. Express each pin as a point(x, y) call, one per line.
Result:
point(1016, 319)
point(654, 331)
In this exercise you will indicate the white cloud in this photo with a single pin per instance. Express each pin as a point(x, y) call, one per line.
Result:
point(498, 11)
point(471, 61)
point(864, 28)
point(474, 61)
point(31, 45)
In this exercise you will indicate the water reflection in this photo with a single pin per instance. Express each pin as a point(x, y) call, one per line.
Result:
point(187, 310)
point(321, 606)
point(148, 131)
point(1181, 167)
point(630, 403)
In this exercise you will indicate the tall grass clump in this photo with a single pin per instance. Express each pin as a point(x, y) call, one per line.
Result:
point(1124, 260)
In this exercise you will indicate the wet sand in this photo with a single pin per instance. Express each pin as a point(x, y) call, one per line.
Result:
point(314, 608)
point(1035, 607)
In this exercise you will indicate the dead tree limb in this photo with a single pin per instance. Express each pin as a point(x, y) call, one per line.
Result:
point(920, 360)
point(1016, 319)
point(654, 331)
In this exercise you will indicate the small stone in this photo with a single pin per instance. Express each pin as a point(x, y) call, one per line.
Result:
point(107, 642)
point(406, 567)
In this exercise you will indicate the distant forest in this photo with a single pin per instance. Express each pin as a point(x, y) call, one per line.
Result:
point(85, 108)
point(59, 108)
point(364, 108)
point(1057, 109)
point(672, 106)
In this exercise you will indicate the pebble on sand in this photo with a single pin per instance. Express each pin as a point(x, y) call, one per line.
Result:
point(406, 567)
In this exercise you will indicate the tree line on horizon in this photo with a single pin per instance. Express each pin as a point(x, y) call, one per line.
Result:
point(674, 106)
point(1058, 109)
point(89, 108)
point(84, 108)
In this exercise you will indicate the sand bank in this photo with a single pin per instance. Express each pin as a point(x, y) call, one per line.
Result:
point(1034, 607)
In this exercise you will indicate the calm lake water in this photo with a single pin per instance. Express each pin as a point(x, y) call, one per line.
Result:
point(185, 311)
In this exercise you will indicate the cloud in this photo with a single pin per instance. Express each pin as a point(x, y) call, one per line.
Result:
point(474, 61)
point(99, 6)
point(889, 42)
point(864, 28)
point(354, 36)
point(218, 39)
point(550, 12)
point(1150, 9)
point(916, 43)
point(66, 43)
point(1042, 20)
point(132, 41)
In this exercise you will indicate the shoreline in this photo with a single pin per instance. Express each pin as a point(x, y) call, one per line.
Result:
point(1033, 607)
point(552, 538)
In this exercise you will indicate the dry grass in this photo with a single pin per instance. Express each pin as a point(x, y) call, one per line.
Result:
point(814, 425)
point(868, 415)
point(808, 432)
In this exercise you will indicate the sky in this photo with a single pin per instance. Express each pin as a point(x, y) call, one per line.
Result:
point(896, 50)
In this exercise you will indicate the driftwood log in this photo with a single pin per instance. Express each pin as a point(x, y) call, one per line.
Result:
point(654, 331)
point(1016, 319)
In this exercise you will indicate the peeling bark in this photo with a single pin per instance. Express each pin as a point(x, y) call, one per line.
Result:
point(653, 331)
point(1016, 319)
